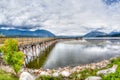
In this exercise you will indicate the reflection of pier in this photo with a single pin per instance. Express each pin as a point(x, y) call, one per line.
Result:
point(35, 49)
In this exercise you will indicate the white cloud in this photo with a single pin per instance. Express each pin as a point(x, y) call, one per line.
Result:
point(62, 17)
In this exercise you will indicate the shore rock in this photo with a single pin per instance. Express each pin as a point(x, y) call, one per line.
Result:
point(107, 71)
point(26, 76)
point(94, 78)
point(7, 69)
point(43, 73)
point(56, 74)
point(65, 73)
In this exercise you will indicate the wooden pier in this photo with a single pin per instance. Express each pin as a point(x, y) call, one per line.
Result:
point(34, 50)
point(32, 47)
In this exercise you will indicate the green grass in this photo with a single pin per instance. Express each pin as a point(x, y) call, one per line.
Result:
point(116, 75)
point(49, 78)
point(83, 74)
point(7, 76)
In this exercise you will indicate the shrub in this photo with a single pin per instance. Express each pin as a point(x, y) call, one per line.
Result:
point(11, 55)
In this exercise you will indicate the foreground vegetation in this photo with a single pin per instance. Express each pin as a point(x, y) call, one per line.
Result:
point(11, 55)
point(116, 75)
point(7, 76)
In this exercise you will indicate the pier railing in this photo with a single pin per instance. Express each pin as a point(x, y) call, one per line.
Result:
point(24, 41)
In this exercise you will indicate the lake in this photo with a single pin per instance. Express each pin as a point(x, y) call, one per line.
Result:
point(77, 52)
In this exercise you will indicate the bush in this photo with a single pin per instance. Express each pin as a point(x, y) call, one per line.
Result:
point(11, 55)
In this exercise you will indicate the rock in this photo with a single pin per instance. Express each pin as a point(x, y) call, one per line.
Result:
point(93, 78)
point(36, 72)
point(65, 73)
point(107, 71)
point(7, 69)
point(26, 76)
point(44, 73)
point(56, 74)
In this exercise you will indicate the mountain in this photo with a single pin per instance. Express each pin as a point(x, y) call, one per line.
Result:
point(95, 33)
point(114, 34)
point(26, 33)
point(69, 37)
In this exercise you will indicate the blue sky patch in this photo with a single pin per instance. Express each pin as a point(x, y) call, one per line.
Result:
point(109, 2)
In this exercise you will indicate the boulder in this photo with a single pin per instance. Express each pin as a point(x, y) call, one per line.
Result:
point(56, 74)
point(94, 78)
point(107, 71)
point(65, 73)
point(44, 73)
point(26, 76)
point(7, 69)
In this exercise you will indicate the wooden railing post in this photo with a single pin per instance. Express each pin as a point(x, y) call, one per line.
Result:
point(22, 41)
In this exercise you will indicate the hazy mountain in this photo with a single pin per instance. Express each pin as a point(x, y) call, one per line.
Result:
point(26, 33)
point(95, 34)
point(114, 34)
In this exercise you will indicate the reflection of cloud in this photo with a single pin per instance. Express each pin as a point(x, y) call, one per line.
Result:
point(75, 54)
point(74, 17)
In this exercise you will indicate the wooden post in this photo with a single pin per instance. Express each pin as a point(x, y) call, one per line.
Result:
point(27, 55)
point(22, 41)
point(32, 40)
point(33, 52)
point(27, 41)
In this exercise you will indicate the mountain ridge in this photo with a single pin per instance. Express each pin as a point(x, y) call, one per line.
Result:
point(97, 33)
point(26, 33)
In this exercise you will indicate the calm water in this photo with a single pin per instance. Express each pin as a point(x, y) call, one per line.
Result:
point(77, 52)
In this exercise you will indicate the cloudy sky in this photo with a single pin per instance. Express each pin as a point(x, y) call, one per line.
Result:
point(61, 17)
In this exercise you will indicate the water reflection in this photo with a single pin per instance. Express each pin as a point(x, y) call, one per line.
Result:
point(81, 52)
point(39, 62)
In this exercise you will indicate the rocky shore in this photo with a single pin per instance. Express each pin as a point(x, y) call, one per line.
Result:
point(27, 73)
point(66, 71)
